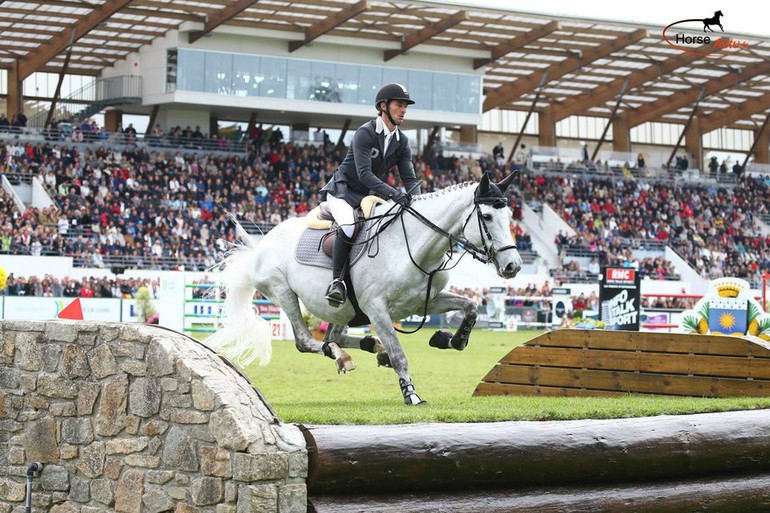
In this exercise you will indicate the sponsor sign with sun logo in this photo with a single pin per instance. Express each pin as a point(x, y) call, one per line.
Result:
point(727, 309)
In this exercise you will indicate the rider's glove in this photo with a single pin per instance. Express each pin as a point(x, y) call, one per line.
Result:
point(401, 197)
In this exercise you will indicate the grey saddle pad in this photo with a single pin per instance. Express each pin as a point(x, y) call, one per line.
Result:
point(309, 248)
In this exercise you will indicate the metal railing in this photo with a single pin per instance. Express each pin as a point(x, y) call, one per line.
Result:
point(92, 98)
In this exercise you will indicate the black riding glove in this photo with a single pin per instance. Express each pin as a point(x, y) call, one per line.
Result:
point(401, 197)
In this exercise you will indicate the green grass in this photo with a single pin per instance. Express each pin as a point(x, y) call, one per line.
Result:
point(306, 388)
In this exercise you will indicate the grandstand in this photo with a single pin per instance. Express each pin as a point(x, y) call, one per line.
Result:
point(133, 126)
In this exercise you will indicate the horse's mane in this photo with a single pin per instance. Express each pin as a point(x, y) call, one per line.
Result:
point(451, 188)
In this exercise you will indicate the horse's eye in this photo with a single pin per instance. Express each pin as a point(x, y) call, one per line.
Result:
point(487, 217)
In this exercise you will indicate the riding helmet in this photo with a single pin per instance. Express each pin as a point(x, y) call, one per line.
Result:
point(392, 91)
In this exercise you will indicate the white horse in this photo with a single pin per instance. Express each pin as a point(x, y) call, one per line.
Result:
point(402, 273)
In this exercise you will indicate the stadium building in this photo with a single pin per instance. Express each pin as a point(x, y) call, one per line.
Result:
point(559, 96)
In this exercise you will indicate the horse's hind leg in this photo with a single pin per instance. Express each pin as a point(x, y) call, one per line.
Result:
point(367, 343)
point(448, 302)
point(304, 340)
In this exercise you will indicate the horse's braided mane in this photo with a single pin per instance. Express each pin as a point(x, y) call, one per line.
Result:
point(451, 188)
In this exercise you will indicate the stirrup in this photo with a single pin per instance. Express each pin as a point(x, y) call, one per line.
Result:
point(337, 293)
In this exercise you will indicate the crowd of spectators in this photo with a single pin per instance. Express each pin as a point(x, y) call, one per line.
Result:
point(712, 227)
point(52, 286)
point(165, 207)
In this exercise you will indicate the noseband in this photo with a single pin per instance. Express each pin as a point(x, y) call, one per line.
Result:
point(488, 254)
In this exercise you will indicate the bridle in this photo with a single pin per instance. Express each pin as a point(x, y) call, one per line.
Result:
point(488, 252)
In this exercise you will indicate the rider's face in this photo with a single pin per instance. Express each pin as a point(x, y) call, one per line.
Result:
point(398, 110)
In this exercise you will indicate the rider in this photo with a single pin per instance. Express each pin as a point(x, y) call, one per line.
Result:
point(377, 146)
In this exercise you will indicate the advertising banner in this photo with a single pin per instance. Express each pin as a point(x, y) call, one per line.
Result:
point(30, 308)
point(620, 298)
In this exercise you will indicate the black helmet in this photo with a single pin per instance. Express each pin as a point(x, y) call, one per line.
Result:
point(390, 92)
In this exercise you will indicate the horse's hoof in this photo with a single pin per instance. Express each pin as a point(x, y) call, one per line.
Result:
point(383, 360)
point(345, 364)
point(414, 400)
point(459, 343)
point(440, 339)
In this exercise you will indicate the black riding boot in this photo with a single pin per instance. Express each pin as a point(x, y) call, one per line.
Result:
point(337, 293)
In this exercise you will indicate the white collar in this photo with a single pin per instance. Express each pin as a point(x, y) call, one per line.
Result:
point(380, 127)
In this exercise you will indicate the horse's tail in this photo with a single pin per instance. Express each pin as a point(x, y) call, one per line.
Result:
point(245, 336)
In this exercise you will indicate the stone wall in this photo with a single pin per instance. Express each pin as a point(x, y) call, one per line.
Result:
point(135, 418)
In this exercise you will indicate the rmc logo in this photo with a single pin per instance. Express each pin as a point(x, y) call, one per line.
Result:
point(703, 45)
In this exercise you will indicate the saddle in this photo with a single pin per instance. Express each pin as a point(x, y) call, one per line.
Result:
point(320, 218)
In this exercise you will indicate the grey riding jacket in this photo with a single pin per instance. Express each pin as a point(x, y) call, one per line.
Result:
point(364, 168)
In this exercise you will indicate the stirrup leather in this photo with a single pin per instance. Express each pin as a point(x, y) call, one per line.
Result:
point(337, 293)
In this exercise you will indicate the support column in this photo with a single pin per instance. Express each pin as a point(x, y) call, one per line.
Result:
point(112, 119)
point(213, 126)
point(469, 134)
point(693, 143)
point(762, 151)
point(621, 136)
point(300, 131)
point(547, 128)
point(15, 98)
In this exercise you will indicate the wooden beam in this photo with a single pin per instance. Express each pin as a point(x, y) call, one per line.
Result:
point(517, 43)
point(329, 23)
point(344, 131)
point(219, 18)
point(744, 110)
point(760, 148)
point(506, 93)
point(658, 108)
point(607, 92)
point(686, 129)
point(59, 83)
point(431, 138)
point(153, 117)
point(40, 56)
point(415, 38)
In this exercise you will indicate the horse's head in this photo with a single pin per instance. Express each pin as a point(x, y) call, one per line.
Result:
point(492, 228)
point(718, 14)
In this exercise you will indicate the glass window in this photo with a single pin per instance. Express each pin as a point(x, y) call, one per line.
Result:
point(246, 75)
point(218, 73)
point(297, 81)
point(190, 70)
point(445, 94)
point(420, 87)
point(346, 82)
point(322, 86)
point(273, 74)
point(469, 94)
point(171, 70)
point(370, 80)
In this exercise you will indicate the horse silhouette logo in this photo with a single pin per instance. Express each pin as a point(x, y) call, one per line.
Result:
point(714, 20)
point(706, 44)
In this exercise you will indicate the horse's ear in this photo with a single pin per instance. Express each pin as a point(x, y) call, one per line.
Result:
point(505, 182)
point(484, 184)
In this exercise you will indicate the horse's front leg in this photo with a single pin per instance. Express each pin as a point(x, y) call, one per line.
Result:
point(382, 322)
point(332, 349)
point(449, 302)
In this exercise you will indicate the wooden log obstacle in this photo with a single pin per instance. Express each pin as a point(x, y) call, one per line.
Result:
point(571, 362)
point(716, 462)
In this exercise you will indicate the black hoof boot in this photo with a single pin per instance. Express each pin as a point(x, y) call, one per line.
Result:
point(410, 396)
point(440, 339)
point(336, 294)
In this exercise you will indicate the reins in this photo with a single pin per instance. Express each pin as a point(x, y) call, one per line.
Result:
point(484, 255)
